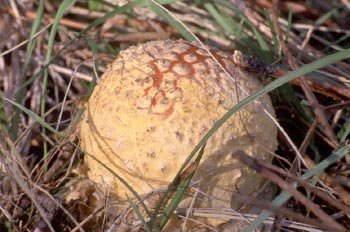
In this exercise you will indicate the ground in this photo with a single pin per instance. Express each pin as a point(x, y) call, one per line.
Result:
point(52, 53)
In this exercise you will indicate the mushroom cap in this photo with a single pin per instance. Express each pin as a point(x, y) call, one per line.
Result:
point(154, 104)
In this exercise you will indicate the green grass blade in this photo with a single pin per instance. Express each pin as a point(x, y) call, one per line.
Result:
point(321, 20)
point(94, 50)
point(60, 12)
point(273, 32)
point(138, 214)
point(117, 10)
point(289, 27)
point(3, 118)
point(271, 86)
point(344, 132)
point(162, 12)
point(259, 38)
point(125, 183)
point(220, 17)
point(29, 52)
point(284, 196)
point(95, 23)
point(179, 194)
point(33, 115)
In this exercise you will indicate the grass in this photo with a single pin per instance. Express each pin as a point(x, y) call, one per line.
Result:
point(38, 118)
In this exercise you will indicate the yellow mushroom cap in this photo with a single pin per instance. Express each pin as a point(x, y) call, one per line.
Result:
point(154, 104)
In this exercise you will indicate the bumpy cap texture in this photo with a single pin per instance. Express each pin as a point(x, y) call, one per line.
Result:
point(154, 104)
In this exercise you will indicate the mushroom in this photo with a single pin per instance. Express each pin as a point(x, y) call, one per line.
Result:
point(154, 104)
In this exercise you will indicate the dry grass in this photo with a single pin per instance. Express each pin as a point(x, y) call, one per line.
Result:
point(50, 58)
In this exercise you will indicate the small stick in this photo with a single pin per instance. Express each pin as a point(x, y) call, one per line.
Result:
point(255, 165)
point(316, 107)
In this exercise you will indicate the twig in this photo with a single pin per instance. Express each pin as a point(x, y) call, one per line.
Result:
point(316, 107)
point(254, 164)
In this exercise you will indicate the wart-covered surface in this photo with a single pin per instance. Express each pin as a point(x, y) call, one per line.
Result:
point(154, 104)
